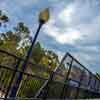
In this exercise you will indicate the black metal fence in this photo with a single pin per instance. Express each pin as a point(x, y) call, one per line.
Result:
point(69, 80)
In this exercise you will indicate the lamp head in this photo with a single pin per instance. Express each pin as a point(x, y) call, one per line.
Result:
point(44, 16)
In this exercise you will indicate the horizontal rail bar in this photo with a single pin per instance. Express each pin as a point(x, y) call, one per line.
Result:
point(83, 66)
point(46, 68)
point(39, 77)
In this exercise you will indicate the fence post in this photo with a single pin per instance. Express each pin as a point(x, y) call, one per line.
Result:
point(89, 95)
point(66, 80)
point(78, 88)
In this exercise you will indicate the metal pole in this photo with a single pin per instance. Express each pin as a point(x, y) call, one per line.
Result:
point(80, 83)
point(12, 79)
point(20, 74)
point(66, 81)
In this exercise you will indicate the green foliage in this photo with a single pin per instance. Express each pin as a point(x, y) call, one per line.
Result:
point(17, 41)
point(50, 59)
point(3, 19)
point(98, 75)
point(29, 87)
point(37, 53)
point(9, 42)
point(21, 27)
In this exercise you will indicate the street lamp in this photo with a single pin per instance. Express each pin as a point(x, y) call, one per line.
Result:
point(43, 18)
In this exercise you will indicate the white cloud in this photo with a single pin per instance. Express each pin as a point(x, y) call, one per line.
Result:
point(62, 35)
point(78, 21)
point(66, 14)
point(69, 36)
point(78, 24)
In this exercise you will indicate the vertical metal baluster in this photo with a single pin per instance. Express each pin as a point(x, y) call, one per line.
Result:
point(89, 82)
point(46, 89)
point(12, 78)
point(0, 78)
point(89, 79)
point(94, 88)
point(98, 86)
point(78, 89)
point(66, 80)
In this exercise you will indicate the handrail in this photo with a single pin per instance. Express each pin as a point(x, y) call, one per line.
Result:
point(83, 66)
point(30, 62)
point(44, 68)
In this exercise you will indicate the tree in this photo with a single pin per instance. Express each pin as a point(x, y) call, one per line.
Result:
point(17, 41)
point(37, 53)
point(9, 41)
point(98, 75)
point(50, 59)
point(22, 31)
point(3, 19)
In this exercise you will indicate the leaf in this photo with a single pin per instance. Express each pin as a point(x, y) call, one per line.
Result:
point(4, 18)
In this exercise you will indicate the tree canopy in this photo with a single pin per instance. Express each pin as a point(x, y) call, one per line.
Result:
point(17, 42)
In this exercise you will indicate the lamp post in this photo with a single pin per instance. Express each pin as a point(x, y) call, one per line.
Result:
point(43, 18)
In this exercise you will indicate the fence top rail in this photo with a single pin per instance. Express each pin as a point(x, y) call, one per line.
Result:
point(25, 73)
point(83, 66)
point(22, 59)
point(8, 53)
point(46, 68)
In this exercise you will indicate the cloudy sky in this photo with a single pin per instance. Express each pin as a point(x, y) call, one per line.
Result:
point(73, 27)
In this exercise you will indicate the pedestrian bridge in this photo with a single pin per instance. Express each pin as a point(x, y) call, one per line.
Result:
point(69, 80)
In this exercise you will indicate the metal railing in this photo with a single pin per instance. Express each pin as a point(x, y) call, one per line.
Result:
point(76, 82)
point(33, 77)
point(70, 79)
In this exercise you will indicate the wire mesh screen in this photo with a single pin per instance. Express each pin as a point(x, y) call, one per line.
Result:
point(70, 80)
point(29, 86)
point(33, 77)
